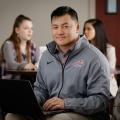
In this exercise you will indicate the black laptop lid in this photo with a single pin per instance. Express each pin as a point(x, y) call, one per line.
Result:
point(17, 96)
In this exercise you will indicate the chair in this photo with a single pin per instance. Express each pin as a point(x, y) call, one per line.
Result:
point(116, 106)
point(42, 49)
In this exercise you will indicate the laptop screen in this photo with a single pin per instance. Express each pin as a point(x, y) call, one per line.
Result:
point(17, 96)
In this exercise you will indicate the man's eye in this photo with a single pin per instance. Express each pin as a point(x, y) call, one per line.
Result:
point(55, 27)
point(66, 26)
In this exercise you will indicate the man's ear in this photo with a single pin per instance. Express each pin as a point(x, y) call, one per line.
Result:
point(78, 28)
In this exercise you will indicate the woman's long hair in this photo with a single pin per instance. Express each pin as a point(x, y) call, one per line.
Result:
point(16, 40)
point(100, 40)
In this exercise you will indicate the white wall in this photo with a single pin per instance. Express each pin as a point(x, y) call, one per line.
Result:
point(39, 11)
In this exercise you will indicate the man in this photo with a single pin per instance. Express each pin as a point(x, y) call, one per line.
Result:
point(73, 75)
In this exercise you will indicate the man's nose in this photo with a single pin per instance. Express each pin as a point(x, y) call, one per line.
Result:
point(60, 30)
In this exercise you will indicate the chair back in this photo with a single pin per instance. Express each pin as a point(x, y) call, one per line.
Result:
point(116, 106)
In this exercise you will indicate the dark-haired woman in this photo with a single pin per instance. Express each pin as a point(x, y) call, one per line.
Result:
point(95, 32)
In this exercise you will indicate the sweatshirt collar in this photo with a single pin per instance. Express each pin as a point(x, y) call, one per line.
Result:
point(53, 48)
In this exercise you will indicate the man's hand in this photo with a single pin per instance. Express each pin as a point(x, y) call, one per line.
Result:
point(54, 103)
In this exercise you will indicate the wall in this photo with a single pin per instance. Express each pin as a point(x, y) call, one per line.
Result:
point(112, 23)
point(39, 11)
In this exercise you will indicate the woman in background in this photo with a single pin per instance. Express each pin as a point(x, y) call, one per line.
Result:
point(95, 32)
point(18, 50)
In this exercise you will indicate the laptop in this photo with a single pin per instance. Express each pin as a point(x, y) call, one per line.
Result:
point(17, 96)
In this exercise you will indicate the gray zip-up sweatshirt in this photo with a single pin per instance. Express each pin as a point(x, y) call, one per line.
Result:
point(83, 81)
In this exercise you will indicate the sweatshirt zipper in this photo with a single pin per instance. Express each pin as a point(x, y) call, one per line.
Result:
point(63, 68)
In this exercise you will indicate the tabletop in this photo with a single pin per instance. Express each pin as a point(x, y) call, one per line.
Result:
point(23, 72)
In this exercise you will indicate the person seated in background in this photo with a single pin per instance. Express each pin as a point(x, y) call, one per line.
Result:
point(95, 33)
point(19, 51)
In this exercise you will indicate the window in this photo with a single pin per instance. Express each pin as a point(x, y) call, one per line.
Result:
point(111, 6)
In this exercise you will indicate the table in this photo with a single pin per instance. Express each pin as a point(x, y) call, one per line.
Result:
point(24, 74)
point(116, 72)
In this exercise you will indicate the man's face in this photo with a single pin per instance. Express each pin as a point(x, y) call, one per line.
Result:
point(65, 30)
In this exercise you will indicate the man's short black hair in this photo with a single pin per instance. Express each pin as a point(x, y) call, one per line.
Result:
point(63, 10)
